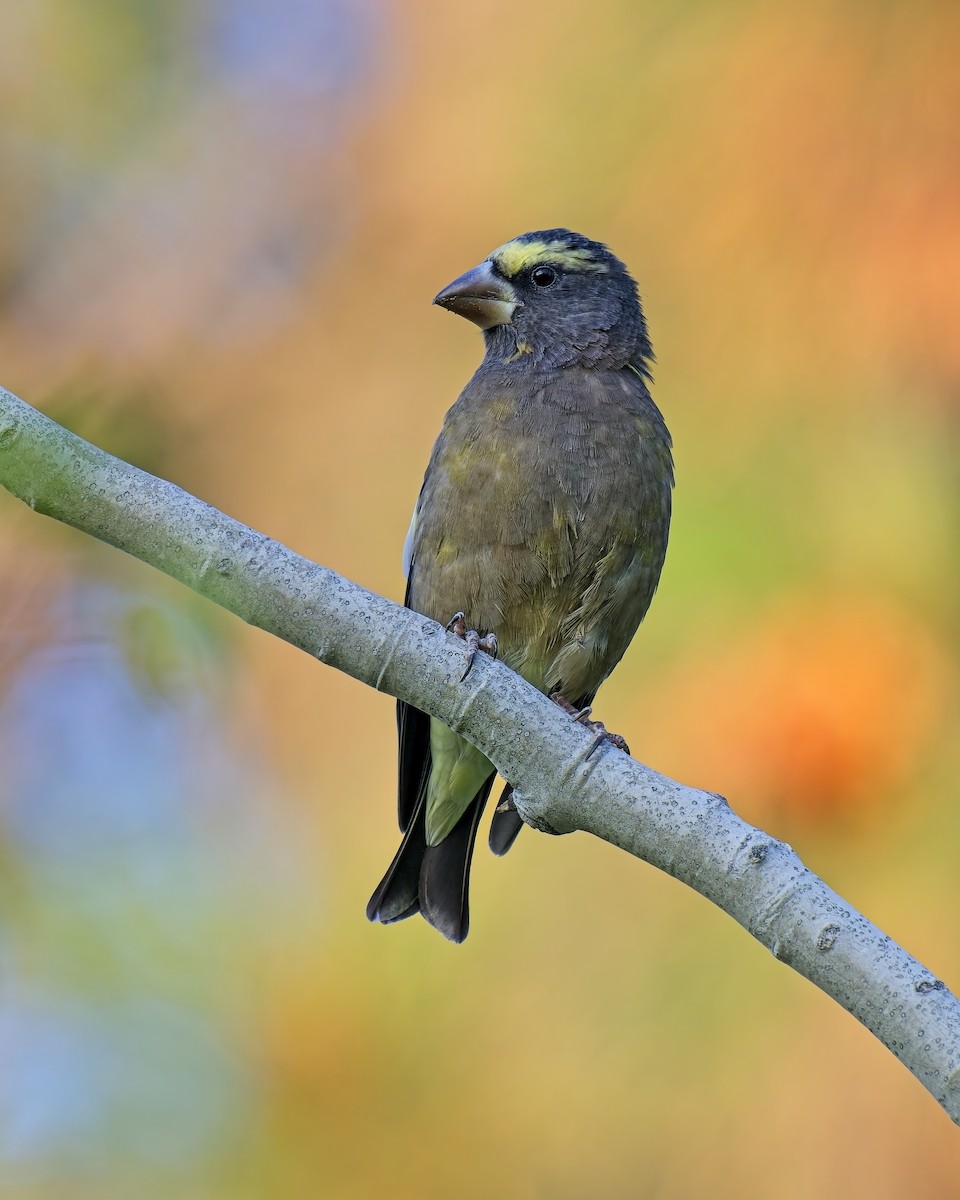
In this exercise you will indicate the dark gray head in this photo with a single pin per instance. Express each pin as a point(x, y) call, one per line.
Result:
point(554, 298)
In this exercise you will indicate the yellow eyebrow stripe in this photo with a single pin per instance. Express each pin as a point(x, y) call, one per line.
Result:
point(513, 257)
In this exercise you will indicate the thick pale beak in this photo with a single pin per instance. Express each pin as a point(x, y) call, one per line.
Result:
point(482, 296)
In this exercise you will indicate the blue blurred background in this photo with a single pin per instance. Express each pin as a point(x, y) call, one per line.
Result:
point(221, 224)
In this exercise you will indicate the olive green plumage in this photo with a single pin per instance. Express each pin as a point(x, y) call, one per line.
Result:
point(543, 517)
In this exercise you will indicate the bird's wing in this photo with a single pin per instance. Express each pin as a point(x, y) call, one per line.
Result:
point(506, 823)
point(407, 560)
point(413, 735)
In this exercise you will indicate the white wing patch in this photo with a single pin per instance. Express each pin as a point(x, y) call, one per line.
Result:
point(407, 559)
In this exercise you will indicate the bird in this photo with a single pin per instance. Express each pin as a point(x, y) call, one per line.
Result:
point(541, 528)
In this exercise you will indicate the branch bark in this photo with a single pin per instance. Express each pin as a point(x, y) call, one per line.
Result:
point(692, 835)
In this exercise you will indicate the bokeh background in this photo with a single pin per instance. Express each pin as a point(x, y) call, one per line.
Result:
point(221, 225)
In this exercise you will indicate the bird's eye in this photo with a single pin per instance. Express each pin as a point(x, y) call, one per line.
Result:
point(543, 276)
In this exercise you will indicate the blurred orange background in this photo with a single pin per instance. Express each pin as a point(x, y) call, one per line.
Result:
point(221, 225)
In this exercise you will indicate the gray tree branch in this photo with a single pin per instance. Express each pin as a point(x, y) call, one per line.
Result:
point(692, 835)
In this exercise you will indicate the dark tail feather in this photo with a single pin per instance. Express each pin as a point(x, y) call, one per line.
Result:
point(398, 894)
point(506, 823)
point(445, 873)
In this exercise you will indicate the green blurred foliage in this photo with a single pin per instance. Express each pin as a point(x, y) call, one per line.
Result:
point(220, 229)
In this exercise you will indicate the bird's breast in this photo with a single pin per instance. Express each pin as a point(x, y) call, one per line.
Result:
point(543, 497)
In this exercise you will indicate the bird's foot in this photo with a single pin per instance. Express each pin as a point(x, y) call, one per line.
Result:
point(506, 804)
point(488, 644)
point(582, 715)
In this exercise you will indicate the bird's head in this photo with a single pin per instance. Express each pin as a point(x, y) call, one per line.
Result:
point(555, 299)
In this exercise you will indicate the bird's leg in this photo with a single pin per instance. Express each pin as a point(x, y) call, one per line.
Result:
point(457, 625)
point(506, 802)
point(597, 727)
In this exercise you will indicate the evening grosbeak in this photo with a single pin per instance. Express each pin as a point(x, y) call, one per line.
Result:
point(542, 521)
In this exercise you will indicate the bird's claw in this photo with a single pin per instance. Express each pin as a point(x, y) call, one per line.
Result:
point(457, 625)
point(506, 803)
point(597, 727)
point(604, 735)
